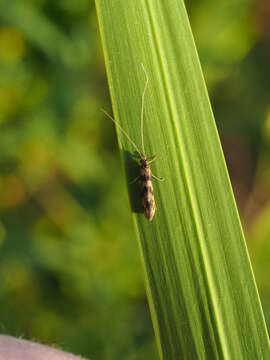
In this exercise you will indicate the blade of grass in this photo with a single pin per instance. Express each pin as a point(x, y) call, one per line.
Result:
point(200, 286)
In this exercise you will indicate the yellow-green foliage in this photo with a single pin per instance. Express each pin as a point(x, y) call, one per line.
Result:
point(69, 267)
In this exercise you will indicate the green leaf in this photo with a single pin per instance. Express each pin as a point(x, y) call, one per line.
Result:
point(200, 286)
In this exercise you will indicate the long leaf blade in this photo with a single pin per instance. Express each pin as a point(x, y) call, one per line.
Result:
point(201, 290)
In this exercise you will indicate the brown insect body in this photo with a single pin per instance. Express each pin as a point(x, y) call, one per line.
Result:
point(147, 192)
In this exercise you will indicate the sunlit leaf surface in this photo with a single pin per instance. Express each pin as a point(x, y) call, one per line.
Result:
point(202, 294)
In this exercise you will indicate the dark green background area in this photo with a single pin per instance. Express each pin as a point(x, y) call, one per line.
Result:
point(70, 272)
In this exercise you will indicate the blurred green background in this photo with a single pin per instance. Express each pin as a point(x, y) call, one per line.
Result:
point(70, 272)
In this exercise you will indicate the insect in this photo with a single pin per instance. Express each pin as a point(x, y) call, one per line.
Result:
point(147, 192)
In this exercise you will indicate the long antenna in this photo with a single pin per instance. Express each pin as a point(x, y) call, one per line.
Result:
point(143, 96)
point(123, 131)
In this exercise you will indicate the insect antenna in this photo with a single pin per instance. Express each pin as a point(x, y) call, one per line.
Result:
point(143, 96)
point(123, 131)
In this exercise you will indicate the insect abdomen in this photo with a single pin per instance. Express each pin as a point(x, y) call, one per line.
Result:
point(148, 200)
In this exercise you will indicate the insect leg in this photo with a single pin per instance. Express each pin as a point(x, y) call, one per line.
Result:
point(151, 159)
point(133, 181)
point(157, 178)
